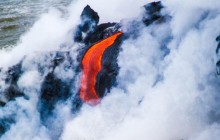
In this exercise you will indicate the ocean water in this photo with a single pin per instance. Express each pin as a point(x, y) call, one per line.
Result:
point(17, 16)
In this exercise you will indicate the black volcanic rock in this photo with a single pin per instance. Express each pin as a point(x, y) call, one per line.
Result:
point(218, 39)
point(106, 78)
point(55, 90)
point(12, 92)
point(94, 33)
point(218, 47)
point(2, 103)
point(152, 12)
point(89, 21)
point(13, 74)
point(101, 32)
point(153, 7)
point(89, 15)
point(89, 32)
point(218, 55)
point(5, 124)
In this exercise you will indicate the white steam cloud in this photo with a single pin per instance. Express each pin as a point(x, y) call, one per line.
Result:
point(159, 96)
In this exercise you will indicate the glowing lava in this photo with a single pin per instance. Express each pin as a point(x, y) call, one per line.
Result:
point(91, 65)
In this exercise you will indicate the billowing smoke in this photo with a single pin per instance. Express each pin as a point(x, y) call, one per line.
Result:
point(167, 87)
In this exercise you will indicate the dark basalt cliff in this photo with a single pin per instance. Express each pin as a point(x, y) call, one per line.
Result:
point(55, 90)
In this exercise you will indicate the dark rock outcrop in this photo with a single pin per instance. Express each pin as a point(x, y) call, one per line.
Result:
point(152, 13)
point(5, 124)
point(89, 20)
point(55, 89)
point(218, 55)
point(106, 78)
point(12, 91)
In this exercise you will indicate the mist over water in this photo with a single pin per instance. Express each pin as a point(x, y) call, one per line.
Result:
point(17, 16)
point(167, 84)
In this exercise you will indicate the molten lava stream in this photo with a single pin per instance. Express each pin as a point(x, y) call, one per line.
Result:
point(91, 65)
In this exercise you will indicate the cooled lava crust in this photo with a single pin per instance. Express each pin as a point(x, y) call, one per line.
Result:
point(98, 67)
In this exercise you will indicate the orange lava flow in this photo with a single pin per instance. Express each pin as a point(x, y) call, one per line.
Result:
point(91, 65)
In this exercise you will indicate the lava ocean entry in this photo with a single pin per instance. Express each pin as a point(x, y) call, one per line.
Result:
point(91, 66)
point(92, 74)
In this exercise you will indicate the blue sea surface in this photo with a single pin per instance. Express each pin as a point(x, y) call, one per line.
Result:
point(17, 16)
